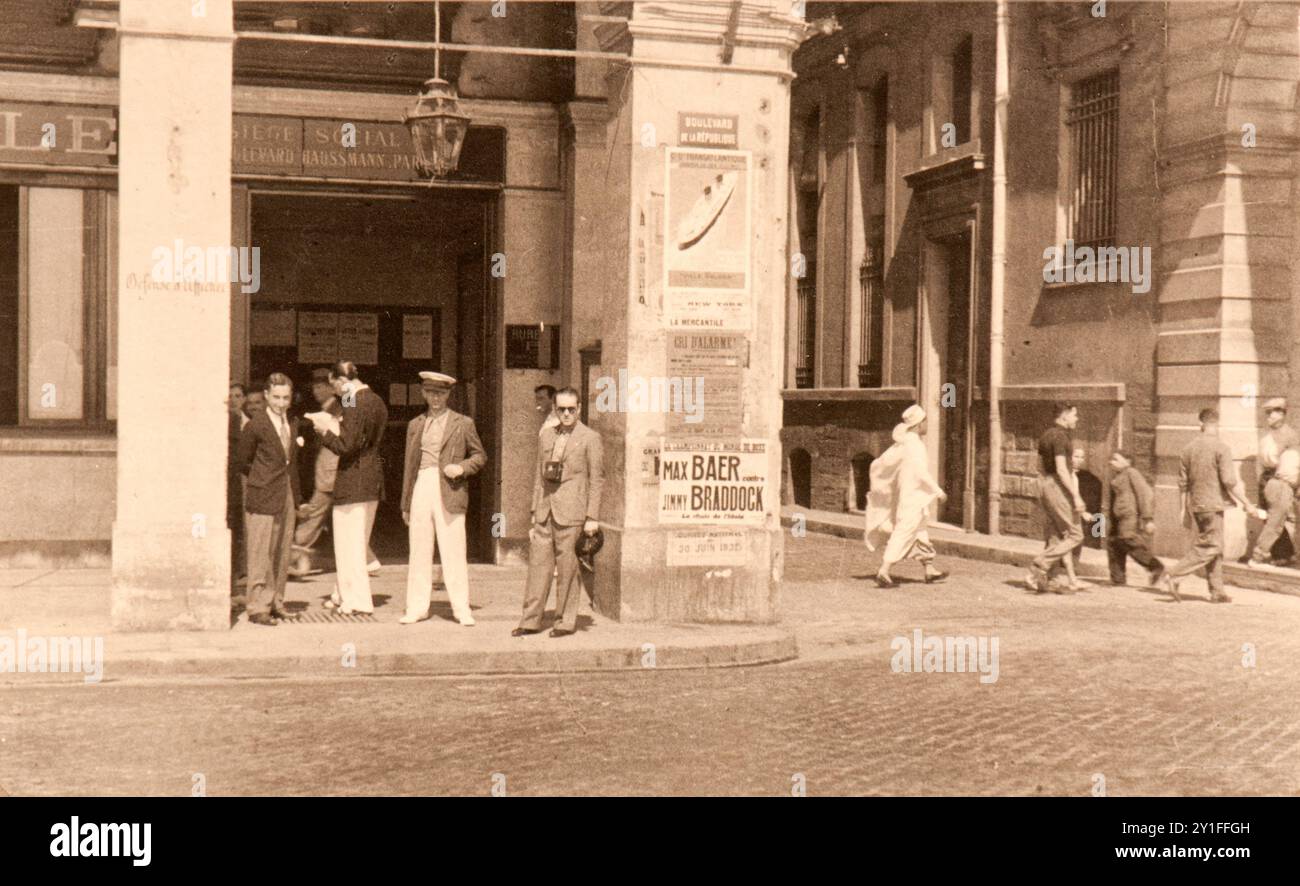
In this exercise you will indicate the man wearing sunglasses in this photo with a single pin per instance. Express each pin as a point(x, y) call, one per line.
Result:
point(566, 502)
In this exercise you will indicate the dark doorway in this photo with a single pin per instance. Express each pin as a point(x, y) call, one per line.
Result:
point(955, 377)
point(1090, 492)
point(398, 283)
point(801, 477)
point(861, 479)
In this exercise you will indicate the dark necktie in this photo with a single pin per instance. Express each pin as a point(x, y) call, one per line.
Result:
point(284, 435)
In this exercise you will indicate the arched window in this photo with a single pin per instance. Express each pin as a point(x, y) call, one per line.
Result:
point(801, 477)
point(861, 479)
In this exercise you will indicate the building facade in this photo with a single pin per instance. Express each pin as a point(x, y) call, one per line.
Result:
point(130, 127)
point(1123, 199)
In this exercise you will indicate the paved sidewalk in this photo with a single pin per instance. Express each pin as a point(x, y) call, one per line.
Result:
point(75, 602)
point(1010, 550)
point(1114, 684)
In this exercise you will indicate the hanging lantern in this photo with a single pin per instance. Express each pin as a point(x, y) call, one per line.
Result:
point(437, 128)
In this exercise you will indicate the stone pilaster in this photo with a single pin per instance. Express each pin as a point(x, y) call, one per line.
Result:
point(1227, 233)
point(171, 547)
point(587, 124)
point(711, 58)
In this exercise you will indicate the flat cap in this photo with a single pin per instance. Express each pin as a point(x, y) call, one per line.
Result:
point(437, 379)
point(1275, 403)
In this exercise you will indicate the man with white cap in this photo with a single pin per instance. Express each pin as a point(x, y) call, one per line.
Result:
point(442, 452)
point(898, 505)
point(1277, 487)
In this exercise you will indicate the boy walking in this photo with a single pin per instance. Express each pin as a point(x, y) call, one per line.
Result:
point(1132, 525)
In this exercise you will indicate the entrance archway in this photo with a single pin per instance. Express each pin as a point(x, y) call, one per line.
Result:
point(397, 283)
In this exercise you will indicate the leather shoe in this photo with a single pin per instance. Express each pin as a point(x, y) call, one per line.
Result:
point(263, 618)
point(277, 612)
point(935, 577)
point(1220, 598)
point(561, 632)
point(522, 632)
point(884, 581)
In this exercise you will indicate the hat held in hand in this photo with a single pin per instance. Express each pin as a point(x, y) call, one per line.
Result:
point(587, 547)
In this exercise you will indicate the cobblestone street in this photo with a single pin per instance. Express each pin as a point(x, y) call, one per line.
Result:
point(1114, 684)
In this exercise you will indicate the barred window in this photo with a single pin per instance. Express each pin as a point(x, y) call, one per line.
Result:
point(806, 334)
point(809, 185)
point(1093, 122)
point(871, 283)
point(877, 99)
point(961, 63)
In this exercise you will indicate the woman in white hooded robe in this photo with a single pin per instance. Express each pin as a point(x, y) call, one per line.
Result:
point(898, 503)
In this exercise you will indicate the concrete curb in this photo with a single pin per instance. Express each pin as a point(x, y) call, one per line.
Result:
point(1019, 552)
point(770, 646)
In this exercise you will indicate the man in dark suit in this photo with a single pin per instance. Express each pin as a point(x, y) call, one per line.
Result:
point(234, 482)
point(268, 457)
point(566, 501)
point(358, 485)
point(442, 452)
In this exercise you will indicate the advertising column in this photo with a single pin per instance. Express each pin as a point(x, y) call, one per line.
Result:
point(688, 391)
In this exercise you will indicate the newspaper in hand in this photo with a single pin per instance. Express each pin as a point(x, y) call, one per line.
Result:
point(323, 421)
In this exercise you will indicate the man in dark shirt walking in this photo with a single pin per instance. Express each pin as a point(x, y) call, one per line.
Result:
point(1058, 493)
point(1208, 480)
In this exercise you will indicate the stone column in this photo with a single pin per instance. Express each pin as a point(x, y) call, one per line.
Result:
point(171, 548)
point(1227, 236)
point(585, 121)
point(719, 60)
point(587, 273)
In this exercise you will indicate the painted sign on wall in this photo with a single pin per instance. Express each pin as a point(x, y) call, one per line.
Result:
point(60, 135)
point(697, 130)
point(269, 145)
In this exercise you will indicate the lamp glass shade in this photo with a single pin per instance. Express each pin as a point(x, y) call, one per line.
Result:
point(437, 128)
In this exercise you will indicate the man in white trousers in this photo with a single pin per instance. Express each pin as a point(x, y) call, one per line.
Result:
point(358, 484)
point(442, 452)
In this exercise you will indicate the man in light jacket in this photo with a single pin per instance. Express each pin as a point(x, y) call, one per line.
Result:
point(566, 501)
point(442, 452)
